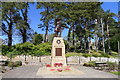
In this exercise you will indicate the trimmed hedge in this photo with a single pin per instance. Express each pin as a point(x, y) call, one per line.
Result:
point(15, 64)
point(89, 64)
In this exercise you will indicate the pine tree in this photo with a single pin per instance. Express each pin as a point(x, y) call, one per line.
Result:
point(9, 16)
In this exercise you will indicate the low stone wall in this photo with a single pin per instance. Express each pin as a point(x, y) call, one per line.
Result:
point(81, 60)
point(70, 60)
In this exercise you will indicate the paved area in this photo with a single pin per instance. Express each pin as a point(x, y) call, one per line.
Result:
point(46, 71)
point(31, 71)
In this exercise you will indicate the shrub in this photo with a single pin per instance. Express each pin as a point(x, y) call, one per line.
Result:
point(26, 62)
point(96, 55)
point(72, 48)
point(6, 63)
point(42, 49)
point(86, 55)
point(10, 64)
point(117, 73)
point(112, 65)
point(85, 64)
point(114, 53)
point(101, 52)
point(92, 63)
point(73, 54)
point(105, 55)
point(78, 50)
point(15, 64)
point(89, 64)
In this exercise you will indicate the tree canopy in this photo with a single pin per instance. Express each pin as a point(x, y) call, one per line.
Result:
point(89, 27)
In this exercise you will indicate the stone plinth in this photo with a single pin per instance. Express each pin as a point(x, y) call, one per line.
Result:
point(58, 51)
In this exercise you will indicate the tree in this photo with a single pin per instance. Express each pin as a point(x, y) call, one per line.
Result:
point(9, 16)
point(109, 21)
point(104, 20)
point(82, 18)
point(37, 39)
point(22, 23)
point(114, 36)
point(50, 37)
point(46, 17)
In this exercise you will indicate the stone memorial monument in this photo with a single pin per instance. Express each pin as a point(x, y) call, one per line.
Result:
point(58, 46)
point(58, 60)
point(58, 51)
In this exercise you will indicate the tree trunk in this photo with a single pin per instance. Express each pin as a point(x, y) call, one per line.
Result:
point(24, 35)
point(39, 58)
point(10, 34)
point(69, 32)
point(25, 58)
point(109, 51)
point(24, 29)
point(96, 42)
point(79, 60)
point(118, 48)
point(47, 26)
point(81, 44)
point(89, 45)
point(26, 24)
point(85, 38)
point(103, 36)
point(96, 36)
point(73, 37)
point(46, 34)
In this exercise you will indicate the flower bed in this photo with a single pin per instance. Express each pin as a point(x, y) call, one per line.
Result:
point(52, 69)
point(67, 69)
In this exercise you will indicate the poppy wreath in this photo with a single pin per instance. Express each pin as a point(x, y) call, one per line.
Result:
point(48, 65)
point(58, 65)
point(59, 70)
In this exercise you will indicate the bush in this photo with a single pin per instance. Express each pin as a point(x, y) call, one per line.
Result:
point(86, 64)
point(112, 65)
point(117, 73)
point(72, 48)
point(6, 63)
point(42, 49)
point(15, 64)
point(73, 54)
point(86, 55)
point(83, 51)
point(105, 55)
point(10, 64)
point(96, 55)
point(89, 64)
point(114, 53)
point(101, 52)
point(78, 50)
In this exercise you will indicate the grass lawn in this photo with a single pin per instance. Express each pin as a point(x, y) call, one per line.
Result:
point(117, 73)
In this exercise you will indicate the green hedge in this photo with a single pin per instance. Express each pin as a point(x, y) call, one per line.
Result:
point(89, 64)
point(15, 64)
point(86, 55)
